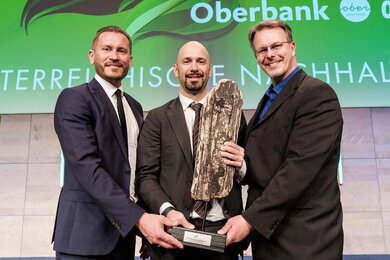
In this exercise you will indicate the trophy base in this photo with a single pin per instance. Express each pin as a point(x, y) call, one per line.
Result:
point(200, 239)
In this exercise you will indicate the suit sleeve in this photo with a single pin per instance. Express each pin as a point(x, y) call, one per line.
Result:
point(148, 163)
point(74, 121)
point(313, 140)
point(242, 131)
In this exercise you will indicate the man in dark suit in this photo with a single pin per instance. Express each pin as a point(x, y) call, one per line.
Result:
point(292, 152)
point(97, 125)
point(165, 160)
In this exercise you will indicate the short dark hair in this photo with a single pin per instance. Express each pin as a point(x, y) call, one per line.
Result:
point(269, 24)
point(111, 28)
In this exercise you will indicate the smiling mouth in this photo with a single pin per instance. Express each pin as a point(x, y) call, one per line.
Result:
point(114, 65)
point(272, 63)
point(194, 76)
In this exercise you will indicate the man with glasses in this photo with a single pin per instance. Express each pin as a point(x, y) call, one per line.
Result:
point(292, 152)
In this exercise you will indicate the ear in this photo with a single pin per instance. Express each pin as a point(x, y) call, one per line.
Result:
point(293, 48)
point(211, 70)
point(131, 60)
point(175, 70)
point(91, 55)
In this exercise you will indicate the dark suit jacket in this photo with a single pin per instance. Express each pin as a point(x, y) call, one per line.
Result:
point(292, 156)
point(94, 208)
point(164, 162)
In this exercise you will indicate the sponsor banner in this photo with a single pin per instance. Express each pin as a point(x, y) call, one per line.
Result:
point(45, 44)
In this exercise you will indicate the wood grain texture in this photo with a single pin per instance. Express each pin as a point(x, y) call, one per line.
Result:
point(220, 123)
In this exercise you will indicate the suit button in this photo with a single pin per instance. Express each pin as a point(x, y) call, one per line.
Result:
point(115, 223)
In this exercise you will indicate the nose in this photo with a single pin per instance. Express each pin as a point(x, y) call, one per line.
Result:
point(114, 55)
point(194, 66)
point(270, 52)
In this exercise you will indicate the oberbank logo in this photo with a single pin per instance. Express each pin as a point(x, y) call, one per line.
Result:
point(206, 12)
point(215, 11)
point(355, 10)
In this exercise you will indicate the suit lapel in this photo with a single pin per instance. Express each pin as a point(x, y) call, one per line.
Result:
point(108, 107)
point(284, 95)
point(177, 120)
point(256, 114)
point(287, 92)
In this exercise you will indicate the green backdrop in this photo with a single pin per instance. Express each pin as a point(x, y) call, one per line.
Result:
point(44, 46)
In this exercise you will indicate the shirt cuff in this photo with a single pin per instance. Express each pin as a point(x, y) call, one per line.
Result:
point(240, 175)
point(165, 206)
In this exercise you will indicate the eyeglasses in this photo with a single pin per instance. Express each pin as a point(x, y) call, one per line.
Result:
point(275, 47)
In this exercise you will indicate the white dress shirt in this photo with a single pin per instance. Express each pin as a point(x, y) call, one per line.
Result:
point(132, 128)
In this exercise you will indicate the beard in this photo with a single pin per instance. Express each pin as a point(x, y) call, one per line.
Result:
point(111, 74)
point(197, 86)
point(194, 87)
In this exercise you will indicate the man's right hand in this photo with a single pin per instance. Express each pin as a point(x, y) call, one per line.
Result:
point(152, 227)
point(178, 218)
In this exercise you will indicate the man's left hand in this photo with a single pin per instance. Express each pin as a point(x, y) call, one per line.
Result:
point(236, 229)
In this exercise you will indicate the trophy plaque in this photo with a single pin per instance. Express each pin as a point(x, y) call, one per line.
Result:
point(220, 122)
point(200, 239)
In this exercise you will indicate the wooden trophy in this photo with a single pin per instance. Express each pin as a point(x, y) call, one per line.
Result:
point(220, 122)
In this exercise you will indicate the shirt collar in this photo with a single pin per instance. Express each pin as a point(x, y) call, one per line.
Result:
point(185, 101)
point(107, 86)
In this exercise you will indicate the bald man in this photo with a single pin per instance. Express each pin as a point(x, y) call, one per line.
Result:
point(165, 165)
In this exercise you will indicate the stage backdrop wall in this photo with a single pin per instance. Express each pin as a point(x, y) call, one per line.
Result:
point(44, 46)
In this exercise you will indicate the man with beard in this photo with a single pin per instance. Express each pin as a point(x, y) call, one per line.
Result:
point(292, 152)
point(165, 159)
point(97, 125)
